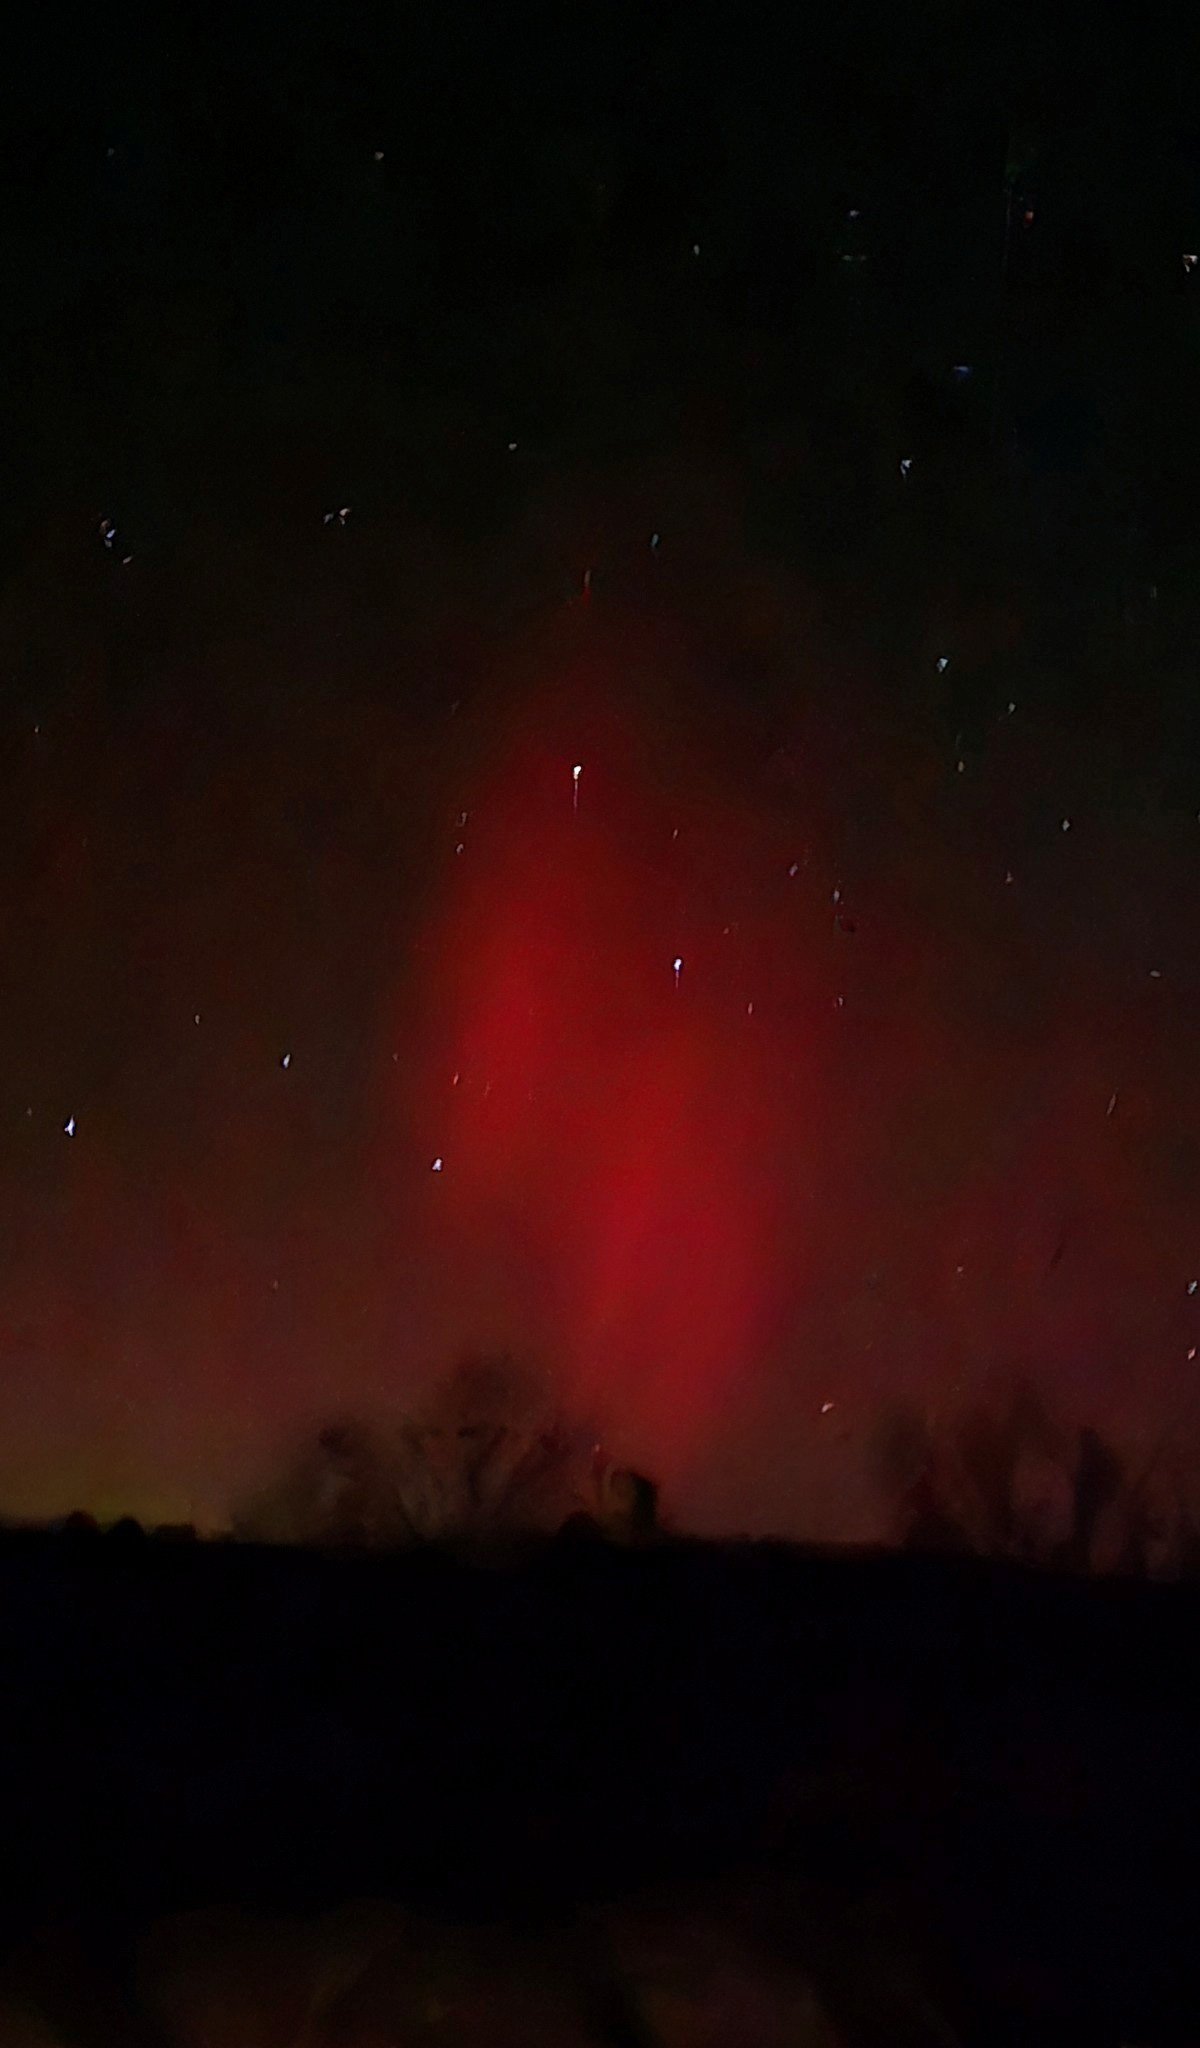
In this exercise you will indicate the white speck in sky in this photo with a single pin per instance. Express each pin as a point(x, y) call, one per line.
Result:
point(286, 1061)
point(69, 1127)
point(437, 1164)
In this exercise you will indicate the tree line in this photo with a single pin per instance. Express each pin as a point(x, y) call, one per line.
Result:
point(1010, 1480)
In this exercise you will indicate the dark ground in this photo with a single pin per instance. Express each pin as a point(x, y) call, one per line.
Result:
point(935, 1788)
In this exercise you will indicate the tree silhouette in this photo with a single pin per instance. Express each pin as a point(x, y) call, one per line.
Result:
point(1099, 1475)
point(919, 1483)
point(487, 1454)
point(80, 1526)
point(496, 1455)
point(1012, 1482)
point(1017, 1470)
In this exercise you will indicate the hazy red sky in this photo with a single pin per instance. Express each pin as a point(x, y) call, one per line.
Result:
point(864, 1151)
point(849, 1162)
point(719, 294)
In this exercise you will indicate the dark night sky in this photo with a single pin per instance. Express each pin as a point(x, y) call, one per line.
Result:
point(524, 291)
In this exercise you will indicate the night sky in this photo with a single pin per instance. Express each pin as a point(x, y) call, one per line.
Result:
point(498, 506)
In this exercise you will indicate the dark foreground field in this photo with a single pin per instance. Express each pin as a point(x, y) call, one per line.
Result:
point(700, 1794)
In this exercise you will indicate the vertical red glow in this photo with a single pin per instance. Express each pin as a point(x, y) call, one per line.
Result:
point(609, 1138)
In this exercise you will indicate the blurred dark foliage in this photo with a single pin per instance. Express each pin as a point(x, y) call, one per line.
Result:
point(1010, 1481)
point(488, 1456)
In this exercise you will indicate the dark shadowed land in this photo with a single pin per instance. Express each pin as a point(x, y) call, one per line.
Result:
point(894, 1798)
